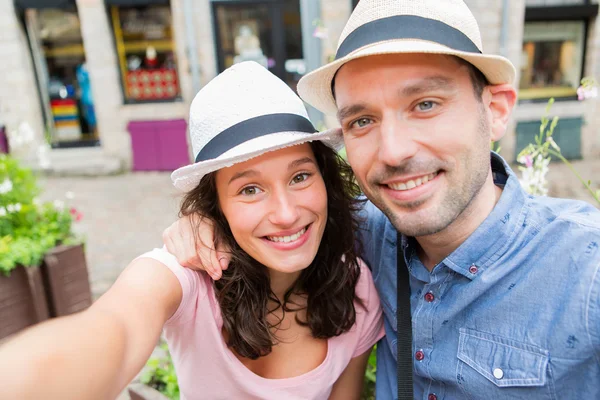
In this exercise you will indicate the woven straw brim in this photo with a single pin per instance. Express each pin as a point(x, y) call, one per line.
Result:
point(187, 178)
point(315, 87)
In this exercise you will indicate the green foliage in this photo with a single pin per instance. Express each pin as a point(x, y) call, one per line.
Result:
point(160, 374)
point(28, 229)
point(369, 384)
point(536, 157)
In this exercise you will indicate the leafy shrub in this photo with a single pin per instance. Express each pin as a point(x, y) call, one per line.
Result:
point(28, 228)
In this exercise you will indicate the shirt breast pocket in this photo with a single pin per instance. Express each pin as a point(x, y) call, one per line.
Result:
point(493, 366)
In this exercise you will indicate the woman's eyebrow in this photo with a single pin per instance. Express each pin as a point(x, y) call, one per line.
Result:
point(244, 174)
point(301, 161)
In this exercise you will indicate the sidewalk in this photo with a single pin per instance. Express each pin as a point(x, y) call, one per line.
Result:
point(123, 217)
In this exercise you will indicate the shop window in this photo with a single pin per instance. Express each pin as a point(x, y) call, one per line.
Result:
point(552, 59)
point(59, 60)
point(146, 53)
point(268, 32)
point(554, 45)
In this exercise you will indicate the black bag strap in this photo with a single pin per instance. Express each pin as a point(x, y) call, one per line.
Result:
point(405, 356)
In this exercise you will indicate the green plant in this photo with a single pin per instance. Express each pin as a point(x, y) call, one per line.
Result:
point(28, 228)
point(536, 159)
point(369, 384)
point(160, 374)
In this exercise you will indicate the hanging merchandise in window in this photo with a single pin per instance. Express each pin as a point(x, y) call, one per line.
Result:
point(69, 90)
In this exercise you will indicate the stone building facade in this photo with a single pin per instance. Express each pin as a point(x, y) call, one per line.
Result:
point(203, 38)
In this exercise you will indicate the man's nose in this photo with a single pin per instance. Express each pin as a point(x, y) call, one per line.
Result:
point(397, 142)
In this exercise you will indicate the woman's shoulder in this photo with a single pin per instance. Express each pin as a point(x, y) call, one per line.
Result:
point(365, 287)
point(194, 284)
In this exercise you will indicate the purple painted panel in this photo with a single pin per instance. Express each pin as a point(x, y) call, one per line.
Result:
point(3, 141)
point(172, 145)
point(143, 145)
point(159, 145)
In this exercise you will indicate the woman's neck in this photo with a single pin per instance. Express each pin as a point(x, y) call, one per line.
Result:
point(281, 282)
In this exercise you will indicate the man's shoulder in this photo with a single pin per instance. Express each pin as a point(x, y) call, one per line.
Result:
point(579, 217)
point(372, 217)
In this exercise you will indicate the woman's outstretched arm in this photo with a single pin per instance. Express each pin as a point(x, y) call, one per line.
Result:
point(96, 353)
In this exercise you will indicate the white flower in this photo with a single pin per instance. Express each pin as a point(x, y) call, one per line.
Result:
point(43, 155)
point(6, 186)
point(3, 212)
point(59, 204)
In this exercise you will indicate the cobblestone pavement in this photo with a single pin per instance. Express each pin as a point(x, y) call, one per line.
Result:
point(124, 215)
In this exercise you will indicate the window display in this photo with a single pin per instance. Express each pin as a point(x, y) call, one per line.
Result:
point(144, 40)
point(56, 40)
point(552, 59)
point(268, 32)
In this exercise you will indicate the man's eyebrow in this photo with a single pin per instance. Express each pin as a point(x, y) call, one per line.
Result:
point(300, 161)
point(427, 84)
point(243, 174)
point(345, 112)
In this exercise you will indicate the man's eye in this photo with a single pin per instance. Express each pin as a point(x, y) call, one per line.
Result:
point(250, 191)
point(360, 123)
point(300, 178)
point(425, 105)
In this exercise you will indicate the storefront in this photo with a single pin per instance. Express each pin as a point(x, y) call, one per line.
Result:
point(100, 68)
point(143, 36)
point(268, 32)
point(54, 33)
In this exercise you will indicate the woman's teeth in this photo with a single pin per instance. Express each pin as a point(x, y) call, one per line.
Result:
point(413, 183)
point(287, 239)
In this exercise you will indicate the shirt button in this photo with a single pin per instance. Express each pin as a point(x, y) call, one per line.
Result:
point(429, 297)
point(498, 373)
point(432, 396)
point(473, 269)
point(419, 355)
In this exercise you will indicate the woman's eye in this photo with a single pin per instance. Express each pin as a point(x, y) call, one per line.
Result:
point(300, 178)
point(425, 105)
point(360, 123)
point(250, 191)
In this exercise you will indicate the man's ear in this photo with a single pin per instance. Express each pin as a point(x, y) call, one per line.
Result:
point(500, 100)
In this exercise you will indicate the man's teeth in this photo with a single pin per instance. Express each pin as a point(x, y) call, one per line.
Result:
point(287, 239)
point(412, 183)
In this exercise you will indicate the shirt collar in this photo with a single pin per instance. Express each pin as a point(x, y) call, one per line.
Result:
point(491, 239)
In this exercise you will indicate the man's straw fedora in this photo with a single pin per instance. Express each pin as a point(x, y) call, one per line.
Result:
point(405, 26)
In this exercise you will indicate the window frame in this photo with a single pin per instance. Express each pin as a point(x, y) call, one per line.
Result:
point(562, 13)
point(113, 18)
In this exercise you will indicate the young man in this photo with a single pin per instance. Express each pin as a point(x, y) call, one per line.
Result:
point(505, 287)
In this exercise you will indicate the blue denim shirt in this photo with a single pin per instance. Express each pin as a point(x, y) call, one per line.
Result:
point(513, 313)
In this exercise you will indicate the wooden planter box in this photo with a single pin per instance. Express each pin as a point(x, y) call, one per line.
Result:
point(139, 391)
point(22, 300)
point(66, 280)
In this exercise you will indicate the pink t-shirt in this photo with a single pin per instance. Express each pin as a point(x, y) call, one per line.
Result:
point(207, 369)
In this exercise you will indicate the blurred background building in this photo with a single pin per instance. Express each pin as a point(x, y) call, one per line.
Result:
point(109, 82)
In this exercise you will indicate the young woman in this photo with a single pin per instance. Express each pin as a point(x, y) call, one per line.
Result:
point(293, 317)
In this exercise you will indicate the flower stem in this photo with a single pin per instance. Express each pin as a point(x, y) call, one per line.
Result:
point(568, 164)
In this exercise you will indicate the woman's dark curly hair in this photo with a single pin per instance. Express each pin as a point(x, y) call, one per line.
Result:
point(328, 283)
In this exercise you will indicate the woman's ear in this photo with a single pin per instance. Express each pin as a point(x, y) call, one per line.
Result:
point(500, 101)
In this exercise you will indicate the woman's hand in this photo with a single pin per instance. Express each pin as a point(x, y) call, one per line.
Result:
point(196, 251)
